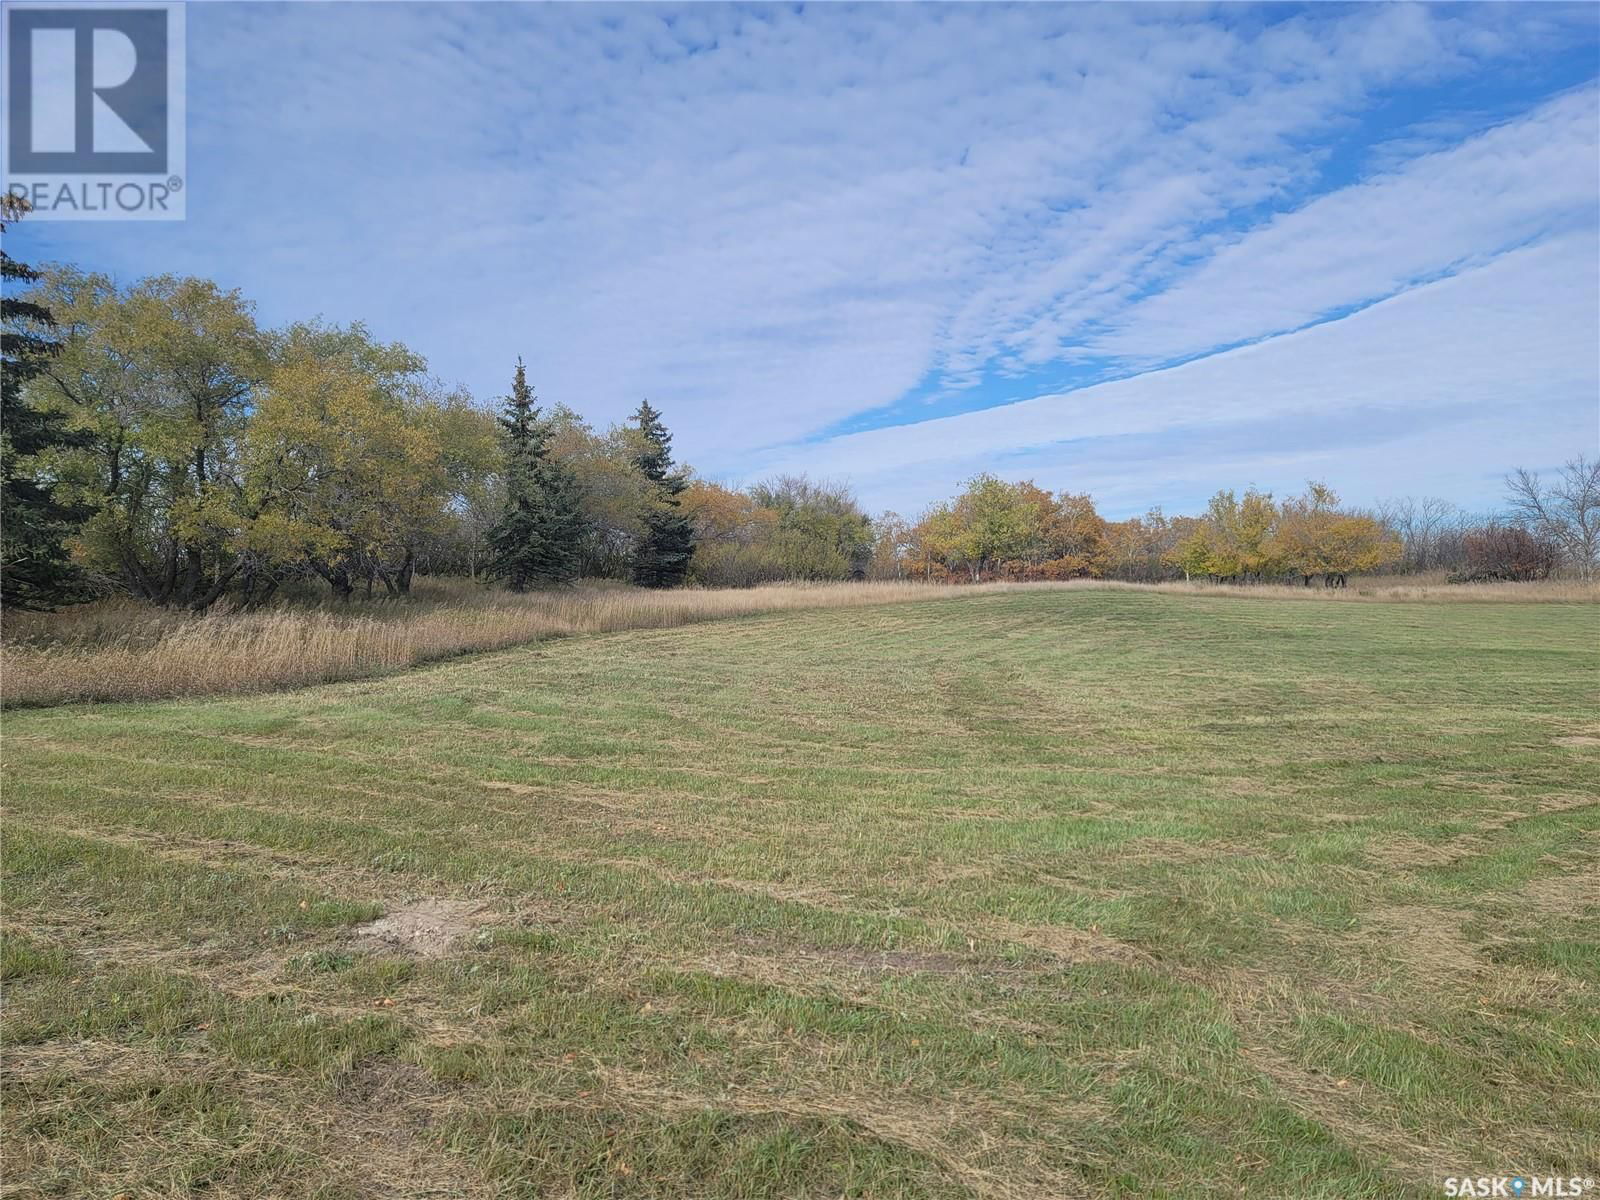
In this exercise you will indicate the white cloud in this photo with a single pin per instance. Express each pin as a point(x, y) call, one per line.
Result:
point(1511, 345)
point(1523, 180)
point(769, 220)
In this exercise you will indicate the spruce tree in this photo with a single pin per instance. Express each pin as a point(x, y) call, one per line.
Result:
point(536, 541)
point(37, 572)
point(662, 557)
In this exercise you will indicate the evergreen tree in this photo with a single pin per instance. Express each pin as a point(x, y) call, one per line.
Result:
point(662, 557)
point(537, 539)
point(36, 572)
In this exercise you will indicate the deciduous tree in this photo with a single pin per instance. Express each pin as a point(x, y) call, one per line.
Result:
point(1565, 512)
point(161, 377)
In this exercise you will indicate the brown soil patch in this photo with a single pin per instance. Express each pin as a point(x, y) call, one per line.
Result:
point(927, 961)
point(424, 928)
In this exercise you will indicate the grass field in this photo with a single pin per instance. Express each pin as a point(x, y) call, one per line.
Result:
point(1076, 892)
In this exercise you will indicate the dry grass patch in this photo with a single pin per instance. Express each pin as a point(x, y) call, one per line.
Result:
point(123, 650)
point(1067, 944)
point(989, 1163)
point(1401, 589)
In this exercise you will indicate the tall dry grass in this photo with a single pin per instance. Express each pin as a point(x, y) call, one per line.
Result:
point(125, 650)
point(1433, 588)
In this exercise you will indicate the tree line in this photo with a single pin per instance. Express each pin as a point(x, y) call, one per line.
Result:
point(158, 440)
point(1003, 530)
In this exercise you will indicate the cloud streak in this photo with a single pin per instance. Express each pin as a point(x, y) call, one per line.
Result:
point(1514, 337)
point(774, 220)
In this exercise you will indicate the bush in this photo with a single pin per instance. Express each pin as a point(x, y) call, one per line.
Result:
point(1506, 552)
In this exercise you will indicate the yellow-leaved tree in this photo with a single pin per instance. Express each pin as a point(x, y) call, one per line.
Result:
point(1314, 538)
point(347, 459)
point(159, 377)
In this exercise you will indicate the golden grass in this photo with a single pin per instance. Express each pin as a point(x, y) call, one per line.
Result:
point(1431, 588)
point(122, 649)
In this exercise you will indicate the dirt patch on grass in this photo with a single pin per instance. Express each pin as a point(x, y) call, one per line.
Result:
point(928, 961)
point(423, 928)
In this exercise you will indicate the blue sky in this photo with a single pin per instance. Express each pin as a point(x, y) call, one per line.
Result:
point(1138, 250)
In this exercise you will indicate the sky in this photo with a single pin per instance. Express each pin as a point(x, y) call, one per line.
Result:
point(1131, 249)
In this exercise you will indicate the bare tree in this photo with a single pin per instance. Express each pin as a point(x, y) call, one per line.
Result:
point(1567, 512)
point(1429, 528)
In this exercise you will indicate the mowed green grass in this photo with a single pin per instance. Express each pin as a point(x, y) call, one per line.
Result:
point(1059, 893)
